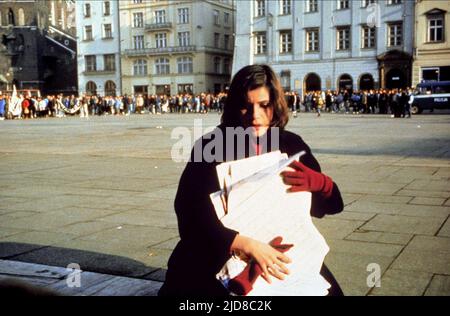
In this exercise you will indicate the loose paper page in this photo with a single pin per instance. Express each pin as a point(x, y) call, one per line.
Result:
point(260, 207)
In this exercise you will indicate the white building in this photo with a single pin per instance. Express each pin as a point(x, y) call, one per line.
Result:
point(176, 46)
point(98, 47)
point(329, 44)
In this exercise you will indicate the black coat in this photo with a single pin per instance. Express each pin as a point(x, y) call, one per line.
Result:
point(205, 243)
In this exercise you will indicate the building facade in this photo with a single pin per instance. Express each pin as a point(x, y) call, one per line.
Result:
point(334, 44)
point(98, 42)
point(171, 47)
point(432, 43)
point(35, 53)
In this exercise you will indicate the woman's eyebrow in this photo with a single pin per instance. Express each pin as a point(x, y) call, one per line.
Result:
point(258, 101)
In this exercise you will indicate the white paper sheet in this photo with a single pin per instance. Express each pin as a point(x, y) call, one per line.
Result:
point(258, 206)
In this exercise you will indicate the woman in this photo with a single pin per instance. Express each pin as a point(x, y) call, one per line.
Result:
point(255, 102)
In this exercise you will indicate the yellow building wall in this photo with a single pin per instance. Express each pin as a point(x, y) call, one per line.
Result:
point(430, 54)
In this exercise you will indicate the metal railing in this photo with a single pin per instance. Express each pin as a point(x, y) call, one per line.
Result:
point(160, 50)
point(158, 26)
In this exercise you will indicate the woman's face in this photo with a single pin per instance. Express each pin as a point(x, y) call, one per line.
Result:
point(258, 112)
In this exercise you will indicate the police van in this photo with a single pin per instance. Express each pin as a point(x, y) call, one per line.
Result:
point(430, 96)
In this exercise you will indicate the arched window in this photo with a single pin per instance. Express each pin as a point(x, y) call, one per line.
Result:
point(21, 17)
point(1, 21)
point(162, 66)
point(345, 82)
point(110, 88)
point(140, 67)
point(11, 18)
point(366, 82)
point(312, 82)
point(91, 88)
point(185, 65)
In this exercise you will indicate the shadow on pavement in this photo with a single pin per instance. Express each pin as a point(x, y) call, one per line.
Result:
point(88, 261)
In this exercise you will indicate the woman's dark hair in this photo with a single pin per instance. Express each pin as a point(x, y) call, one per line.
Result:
point(250, 78)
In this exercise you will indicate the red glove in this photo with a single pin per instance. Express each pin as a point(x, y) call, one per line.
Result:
point(243, 283)
point(306, 179)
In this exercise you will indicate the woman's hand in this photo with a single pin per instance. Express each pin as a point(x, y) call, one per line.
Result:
point(302, 178)
point(268, 258)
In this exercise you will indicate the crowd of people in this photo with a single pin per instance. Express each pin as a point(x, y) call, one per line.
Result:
point(26, 106)
point(396, 102)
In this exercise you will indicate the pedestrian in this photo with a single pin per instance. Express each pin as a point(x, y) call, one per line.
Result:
point(140, 104)
point(328, 101)
point(26, 107)
point(84, 106)
point(256, 103)
point(320, 103)
point(2, 107)
point(409, 103)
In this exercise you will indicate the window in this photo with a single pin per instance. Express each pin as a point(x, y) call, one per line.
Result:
point(138, 19)
point(185, 65)
point(106, 8)
point(138, 42)
point(217, 65)
point(312, 40)
point(368, 37)
point(110, 88)
point(226, 18)
point(226, 41)
point(140, 67)
point(285, 80)
point(137, 1)
point(435, 28)
point(260, 43)
point(395, 34)
point(141, 89)
point(21, 20)
point(226, 66)
point(107, 31)
point(88, 33)
point(216, 40)
point(394, 2)
point(343, 38)
point(343, 4)
point(184, 39)
point(161, 40)
point(366, 3)
point(109, 61)
point(160, 16)
point(216, 17)
point(285, 42)
point(90, 63)
point(183, 16)
point(87, 10)
point(91, 88)
point(185, 88)
point(312, 6)
point(285, 7)
point(162, 66)
point(260, 7)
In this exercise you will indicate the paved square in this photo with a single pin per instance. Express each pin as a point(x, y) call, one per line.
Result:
point(100, 193)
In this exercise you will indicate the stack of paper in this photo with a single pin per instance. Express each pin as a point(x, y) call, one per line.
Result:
point(253, 201)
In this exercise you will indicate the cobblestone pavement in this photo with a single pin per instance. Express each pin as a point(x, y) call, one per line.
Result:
point(100, 192)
